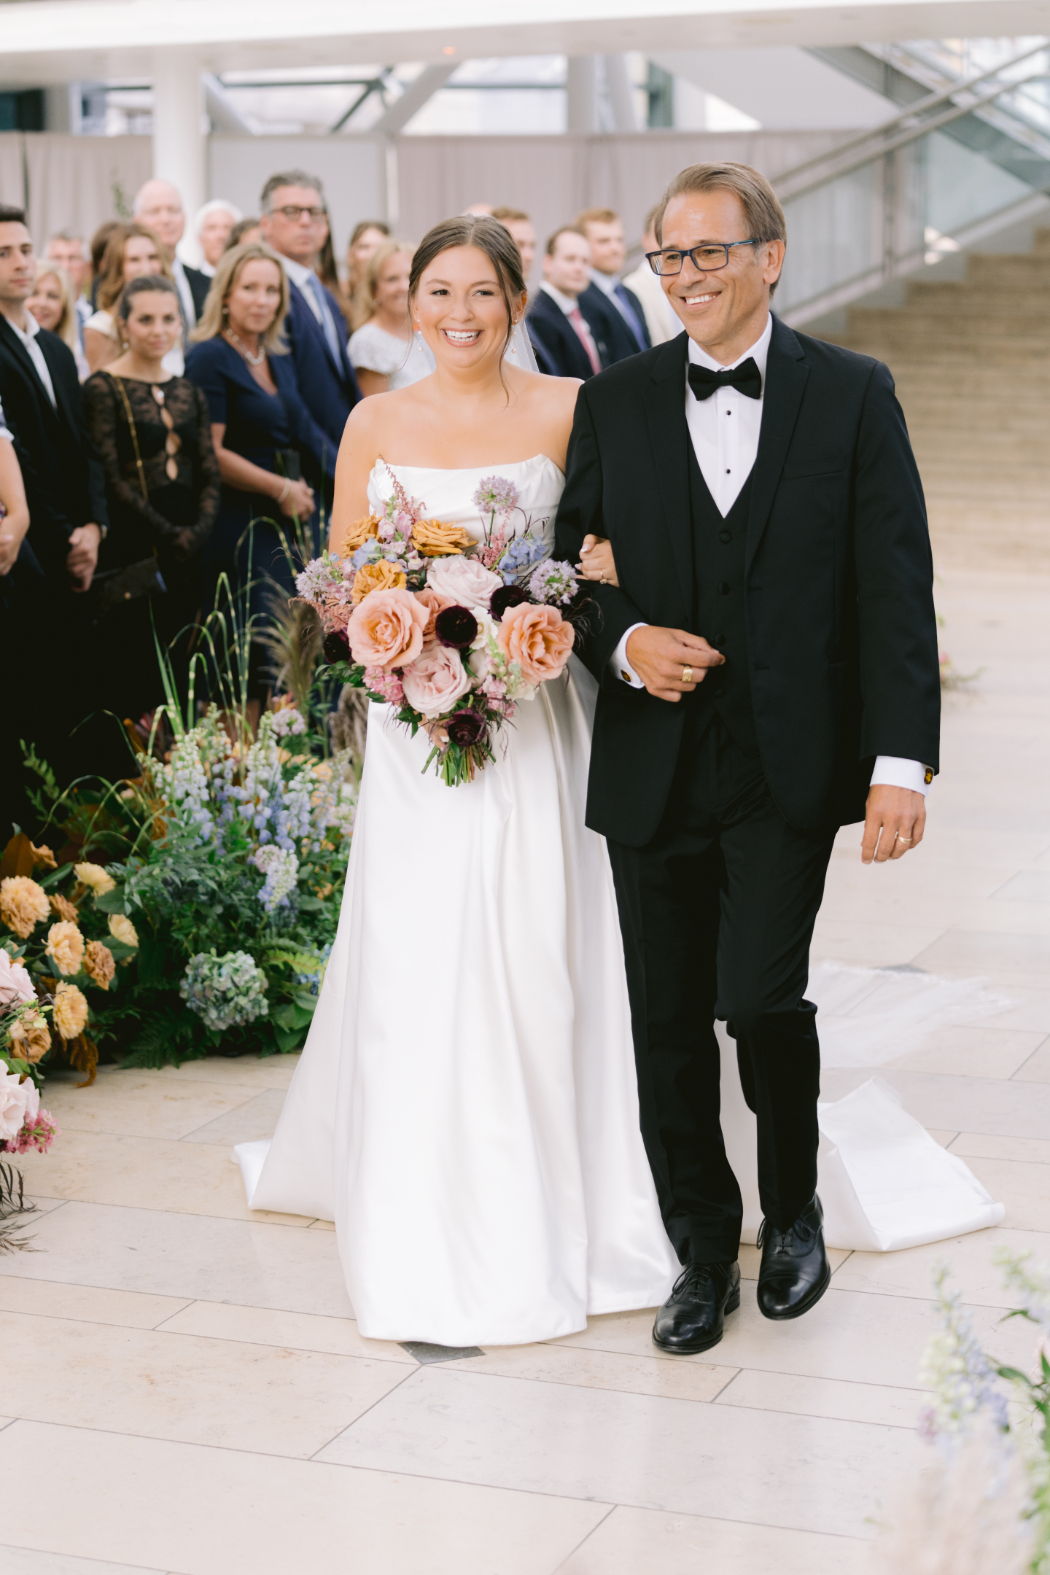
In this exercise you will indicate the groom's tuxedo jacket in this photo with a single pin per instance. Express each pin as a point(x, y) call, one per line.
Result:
point(837, 579)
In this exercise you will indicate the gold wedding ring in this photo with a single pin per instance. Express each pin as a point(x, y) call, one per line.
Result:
point(602, 580)
point(687, 675)
point(902, 839)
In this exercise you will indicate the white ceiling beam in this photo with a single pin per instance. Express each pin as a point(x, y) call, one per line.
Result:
point(58, 40)
point(429, 81)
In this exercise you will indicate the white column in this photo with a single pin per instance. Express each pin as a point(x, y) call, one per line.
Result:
point(581, 84)
point(179, 143)
point(621, 93)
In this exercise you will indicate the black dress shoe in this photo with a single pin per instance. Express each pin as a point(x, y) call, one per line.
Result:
point(693, 1316)
point(795, 1272)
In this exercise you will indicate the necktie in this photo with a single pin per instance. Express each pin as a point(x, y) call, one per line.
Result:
point(627, 311)
point(326, 317)
point(746, 377)
point(583, 333)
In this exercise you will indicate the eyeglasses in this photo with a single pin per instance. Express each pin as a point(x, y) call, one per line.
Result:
point(705, 259)
point(293, 213)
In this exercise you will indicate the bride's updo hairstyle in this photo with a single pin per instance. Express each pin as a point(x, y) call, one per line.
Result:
point(490, 237)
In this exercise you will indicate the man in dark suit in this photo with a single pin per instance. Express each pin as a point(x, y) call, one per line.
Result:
point(768, 672)
point(159, 206)
point(562, 338)
point(64, 485)
point(609, 306)
point(295, 223)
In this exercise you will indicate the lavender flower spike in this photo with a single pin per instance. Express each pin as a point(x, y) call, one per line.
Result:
point(495, 495)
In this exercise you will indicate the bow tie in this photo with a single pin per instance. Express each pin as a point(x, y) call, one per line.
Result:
point(746, 377)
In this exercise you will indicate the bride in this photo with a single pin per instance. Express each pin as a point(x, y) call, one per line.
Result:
point(466, 1108)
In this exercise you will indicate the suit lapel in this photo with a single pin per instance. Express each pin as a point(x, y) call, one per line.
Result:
point(786, 374)
point(63, 410)
point(669, 434)
point(25, 361)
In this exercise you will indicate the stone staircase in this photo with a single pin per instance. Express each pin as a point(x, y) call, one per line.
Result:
point(971, 361)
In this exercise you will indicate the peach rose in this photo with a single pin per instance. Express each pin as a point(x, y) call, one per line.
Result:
point(437, 539)
point(346, 539)
point(123, 929)
point(433, 603)
point(386, 629)
point(464, 581)
point(95, 877)
point(23, 903)
point(381, 576)
point(435, 681)
point(65, 946)
point(537, 638)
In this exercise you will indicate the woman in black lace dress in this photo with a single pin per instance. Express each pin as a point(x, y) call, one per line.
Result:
point(153, 431)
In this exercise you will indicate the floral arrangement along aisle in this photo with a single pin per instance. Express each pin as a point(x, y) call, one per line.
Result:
point(453, 633)
point(209, 923)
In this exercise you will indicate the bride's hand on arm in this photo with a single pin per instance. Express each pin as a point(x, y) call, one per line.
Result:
point(597, 561)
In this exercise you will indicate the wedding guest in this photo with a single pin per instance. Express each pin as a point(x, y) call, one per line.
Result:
point(153, 431)
point(295, 223)
point(159, 206)
point(97, 249)
point(661, 319)
point(564, 342)
point(520, 226)
point(608, 305)
point(245, 233)
point(385, 352)
point(53, 307)
point(22, 609)
point(213, 226)
point(366, 237)
point(131, 250)
point(328, 273)
point(261, 434)
point(64, 487)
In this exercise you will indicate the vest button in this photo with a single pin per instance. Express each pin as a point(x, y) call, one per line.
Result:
point(725, 536)
point(723, 588)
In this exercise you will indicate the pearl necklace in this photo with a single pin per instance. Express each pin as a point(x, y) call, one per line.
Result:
point(252, 360)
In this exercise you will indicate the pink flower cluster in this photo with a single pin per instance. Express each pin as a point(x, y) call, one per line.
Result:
point(38, 1131)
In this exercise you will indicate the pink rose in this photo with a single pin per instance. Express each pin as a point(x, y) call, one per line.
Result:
point(433, 603)
point(16, 987)
point(435, 680)
point(537, 638)
point(386, 628)
point(464, 581)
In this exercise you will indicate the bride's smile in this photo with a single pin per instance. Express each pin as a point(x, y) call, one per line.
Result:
point(464, 310)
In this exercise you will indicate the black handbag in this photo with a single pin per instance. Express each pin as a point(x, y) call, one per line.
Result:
point(113, 587)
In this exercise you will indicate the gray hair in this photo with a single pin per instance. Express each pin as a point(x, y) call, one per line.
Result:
point(289, 178)
point(216, 205)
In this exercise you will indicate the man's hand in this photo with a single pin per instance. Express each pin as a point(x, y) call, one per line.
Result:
point(83, 555)
point(11, 538)
point(894, 822)
point(661, 657)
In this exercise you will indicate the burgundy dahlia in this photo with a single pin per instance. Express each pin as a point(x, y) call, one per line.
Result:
point(506, 596)
point(336, 646)
point(466, 727)
point(456, 627)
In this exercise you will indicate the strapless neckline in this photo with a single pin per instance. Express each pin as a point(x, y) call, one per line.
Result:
point(491, 468)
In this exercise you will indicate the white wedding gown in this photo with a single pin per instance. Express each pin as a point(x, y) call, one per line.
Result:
point(465, 1108)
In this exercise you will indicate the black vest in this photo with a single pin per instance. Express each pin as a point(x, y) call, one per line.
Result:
point(718, 605)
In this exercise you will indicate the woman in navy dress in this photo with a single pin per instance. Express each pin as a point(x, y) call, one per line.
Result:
point(267, 524)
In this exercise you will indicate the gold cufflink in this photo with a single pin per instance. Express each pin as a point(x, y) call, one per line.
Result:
point(928, 778)
point(625, 676)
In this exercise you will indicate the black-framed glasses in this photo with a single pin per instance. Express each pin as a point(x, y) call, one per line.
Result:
point(294, 212)
point(707, 258)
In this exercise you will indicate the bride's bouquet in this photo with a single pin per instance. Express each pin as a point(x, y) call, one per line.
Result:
point(451, 632)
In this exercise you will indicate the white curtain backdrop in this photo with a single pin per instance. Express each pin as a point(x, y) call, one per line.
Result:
point(12, 168)
point(77, 182)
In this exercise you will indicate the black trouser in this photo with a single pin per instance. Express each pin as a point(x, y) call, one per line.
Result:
point(717, 913)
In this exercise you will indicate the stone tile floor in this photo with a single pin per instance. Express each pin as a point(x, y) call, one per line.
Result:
point(184, 1388)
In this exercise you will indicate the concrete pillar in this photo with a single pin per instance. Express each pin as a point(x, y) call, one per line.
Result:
point(179, 142)
point(621, 93)
point(582, 94)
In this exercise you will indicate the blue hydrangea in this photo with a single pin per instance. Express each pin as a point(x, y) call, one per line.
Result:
point(522, 554)
point(224, 991)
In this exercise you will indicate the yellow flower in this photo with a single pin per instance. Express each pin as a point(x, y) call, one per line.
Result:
point(99, 965)
point(436, 538)
point(122, 929)
point(70, 1011)
point(94, 875)
point(29, 1037)
point(62, 908)
point(381, 576)
point(23, 903)
point(348, 538)
point(65, 946)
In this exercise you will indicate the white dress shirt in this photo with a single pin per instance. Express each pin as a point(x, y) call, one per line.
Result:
point(725, 429)
point(182, 284)
point(36, 355)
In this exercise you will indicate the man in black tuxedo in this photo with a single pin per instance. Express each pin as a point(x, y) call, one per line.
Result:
point(767, 661)
point(65, 490)
point(613, 311)
point(564, 341)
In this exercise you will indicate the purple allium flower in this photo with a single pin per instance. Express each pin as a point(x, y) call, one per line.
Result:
point(554, 582)
point(506, 596)
point(495, 495)
point(456, 627)
point(466, 727)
